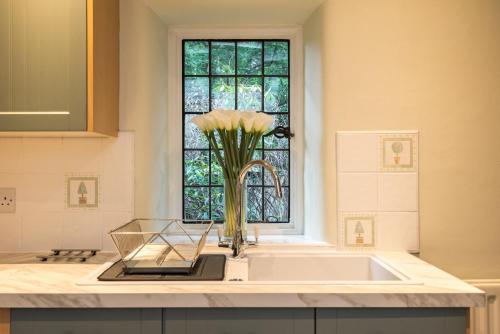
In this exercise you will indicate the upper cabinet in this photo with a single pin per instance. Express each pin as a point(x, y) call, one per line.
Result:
point(59, 67)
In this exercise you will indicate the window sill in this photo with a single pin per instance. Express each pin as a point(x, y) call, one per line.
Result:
point(279, 240)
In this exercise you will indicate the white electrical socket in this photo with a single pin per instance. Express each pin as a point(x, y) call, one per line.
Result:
point(7, 200)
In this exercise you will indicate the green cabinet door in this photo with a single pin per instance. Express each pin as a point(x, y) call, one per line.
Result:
point(238, 321)
point(43, 65)
point(86, 321)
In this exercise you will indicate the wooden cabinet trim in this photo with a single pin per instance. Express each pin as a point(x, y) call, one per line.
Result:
point(4, 321)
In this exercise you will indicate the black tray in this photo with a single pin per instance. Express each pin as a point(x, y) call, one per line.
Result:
point(208, 267)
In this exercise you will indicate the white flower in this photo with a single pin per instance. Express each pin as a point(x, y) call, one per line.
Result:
point(211, 123)
point(230, 120)
point(235, 120)
point(262, 122)
point(222, 119)
point(247, 120)
point(202, 123)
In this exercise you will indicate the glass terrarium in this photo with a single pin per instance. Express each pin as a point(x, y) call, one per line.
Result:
point(159, 246)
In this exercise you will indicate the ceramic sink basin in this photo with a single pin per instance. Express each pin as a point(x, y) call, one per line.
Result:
point(322, 268)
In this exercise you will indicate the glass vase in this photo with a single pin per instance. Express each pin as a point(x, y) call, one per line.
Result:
point(231, 210)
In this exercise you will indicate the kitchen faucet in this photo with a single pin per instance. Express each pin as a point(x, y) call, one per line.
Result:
point(238, 235)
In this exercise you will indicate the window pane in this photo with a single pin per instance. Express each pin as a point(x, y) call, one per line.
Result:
point(196, 58)
point(196, 95)
point(193, 137)
point(217, 203)
point(196, 168)
point(217, 174)
point(254, 203)
point(276, 95)
point(274, 142)
point(279, 159)
point(249, 58)
point(223, 54)
point(196, 203)
point(254, 176)
point(223, 93)
point(250, 94)
point(275, 209)
point(276, 58)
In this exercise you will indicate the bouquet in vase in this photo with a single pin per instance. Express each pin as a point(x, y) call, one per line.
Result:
point(238, 132)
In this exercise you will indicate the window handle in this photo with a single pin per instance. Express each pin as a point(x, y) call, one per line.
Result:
point(281, 132)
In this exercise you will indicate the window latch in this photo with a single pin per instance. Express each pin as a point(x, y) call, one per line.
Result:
point(281, 132)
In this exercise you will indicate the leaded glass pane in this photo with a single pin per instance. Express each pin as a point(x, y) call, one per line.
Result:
point(275, 209)
point(196, 58)
point(196, 203)
point(279, 159)
point(276, 58)
point(254, 204)
point(250, 93)
point(196, 94)
point(196, 168)
point(217, 205)
point(193, 137)
point(250, 58)
point(223, 56)
point(276, 94)
point(223, 93)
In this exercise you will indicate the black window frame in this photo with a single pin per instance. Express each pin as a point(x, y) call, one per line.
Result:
point(280, 134)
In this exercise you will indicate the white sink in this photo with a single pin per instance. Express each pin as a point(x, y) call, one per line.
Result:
point(320, 268)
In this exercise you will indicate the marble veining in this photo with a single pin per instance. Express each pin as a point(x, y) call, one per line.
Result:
point(27, 284)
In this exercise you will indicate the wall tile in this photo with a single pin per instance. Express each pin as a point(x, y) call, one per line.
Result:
point(82, 230)
point(400, 230)
point(357, 153)
point(43, 155)
point(11, 180)
point(117, 180)
point(391, 157)
point(42, 192)
point(358, 230)
point(117, 193)
point(11, 151)
point(10, 237)
point(81, 155)
point(398, 152)
point(357, 191)
point(38, 168)
point(398, 192)
point(117, 153)
point(41, 231)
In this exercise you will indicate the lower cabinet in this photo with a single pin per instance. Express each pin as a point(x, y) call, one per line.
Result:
point(240, 321)
point(86, 321)
point(391, 321)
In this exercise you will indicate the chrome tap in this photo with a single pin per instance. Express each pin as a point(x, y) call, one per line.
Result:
point(238, 235)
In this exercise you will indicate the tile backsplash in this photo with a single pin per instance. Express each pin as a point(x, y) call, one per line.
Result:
point(377, 190)
point(70, 191)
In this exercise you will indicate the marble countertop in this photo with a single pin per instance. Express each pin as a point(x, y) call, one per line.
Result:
point(25, 282)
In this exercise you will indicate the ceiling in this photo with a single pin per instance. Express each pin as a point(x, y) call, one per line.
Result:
point(233, 12)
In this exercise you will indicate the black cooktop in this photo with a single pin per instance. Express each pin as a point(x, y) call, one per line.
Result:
point(208, 267)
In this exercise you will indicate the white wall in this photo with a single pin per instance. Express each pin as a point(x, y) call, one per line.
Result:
point(143, 101)
point(318, 224)
point(427, 65)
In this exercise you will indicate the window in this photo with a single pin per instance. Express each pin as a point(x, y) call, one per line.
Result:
point(244, 75)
